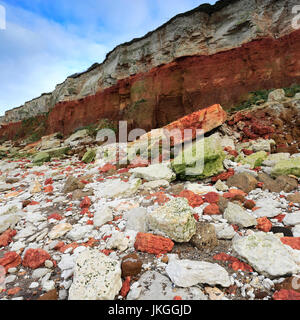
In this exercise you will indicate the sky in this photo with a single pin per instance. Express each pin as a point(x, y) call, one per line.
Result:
point(45, 41)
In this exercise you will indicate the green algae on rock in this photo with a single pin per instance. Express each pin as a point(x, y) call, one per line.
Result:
point(286, 167)
point(255, 159)
point(202, 159)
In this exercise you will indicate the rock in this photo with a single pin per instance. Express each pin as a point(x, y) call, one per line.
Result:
point(79, 135)
point(155, 172)
point(59, 230)
point(235, 214)
point(175, 220)
point(89, 156)
point(262, 145)
point(205, 236)
point(72, 184)
point(295, 198)
point(281, 183)
point(39, 273)
point(155, 184)
point(147, 242)
point(284, 294)
point(79, 232)
point(118, 188)
point(6, 237)
point(296, 231)
point(292, 219)
point(212, 209)
point(267, 208)
point(276, 95)
point(131, 265)
point(272, 159)
point(118, 241)
point(205, 119)
point(50, 295)
point(96, 277)
point(35, 258)
point(10, 260)
point(215, 293)
point(102, 216)
point(264, 224)
point(266, 254)
point(194, 200)
point(292, 242)
point(202, 159)
point(222, 204)
point(243, 181)
point(221, 186)
point(187, 273)
point(155, 286)
point(224, 231)
point(50, 142)
point(255, 159)
point(58, 152)
point(286, 167)
point(136, 219)
point(41, 157)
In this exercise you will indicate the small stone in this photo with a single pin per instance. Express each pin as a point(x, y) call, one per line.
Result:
point(131, 265)
point(205, 236)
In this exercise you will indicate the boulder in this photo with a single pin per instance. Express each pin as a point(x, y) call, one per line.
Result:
point(276, 95)
point(202, 159)
point(281, 183)
point(136, 219)
point(89, 156)
point(41, 157)
point(205, 236)
point(266, 254)
point(102, 216)
point(243, 181)
point(255, 160)
point(292, 219)
point(96, 277)
point(286, 167)
point(235, 214)
point(155, 286)
point(150, 243)
point(174, 220)
point(187, 273)
point(154, 172)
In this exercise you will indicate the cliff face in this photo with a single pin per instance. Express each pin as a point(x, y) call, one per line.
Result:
point(212, 54)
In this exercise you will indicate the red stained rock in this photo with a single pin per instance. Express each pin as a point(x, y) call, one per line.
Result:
point(10, 260)
point(85, 203)
point(193, 199)
point(13, 291)
point(177, 298)
point(247, 152)
point(236, 264)
point(280, 217)
point(292, 242)
point(264, 224)
point(249, 204)
point(204, 119)
point(55, 216)
point(126, 287)
point(35, 258)
point(223, 176)
point(107, 167)
point(48, 189)
point(261, 129)
point(147, 242)
point(6, 237)
point(49, 181)
point(212, 209)
point(284, 294)
point(211, 197)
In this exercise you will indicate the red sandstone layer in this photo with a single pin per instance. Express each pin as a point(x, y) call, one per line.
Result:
point(169, 92)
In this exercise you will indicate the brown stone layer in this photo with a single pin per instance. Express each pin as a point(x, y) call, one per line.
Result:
point(169, 92)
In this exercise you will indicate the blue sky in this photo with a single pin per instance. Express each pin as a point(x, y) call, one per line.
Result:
point(47, 40)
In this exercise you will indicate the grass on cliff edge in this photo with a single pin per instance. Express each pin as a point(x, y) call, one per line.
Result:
point(261, 96)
